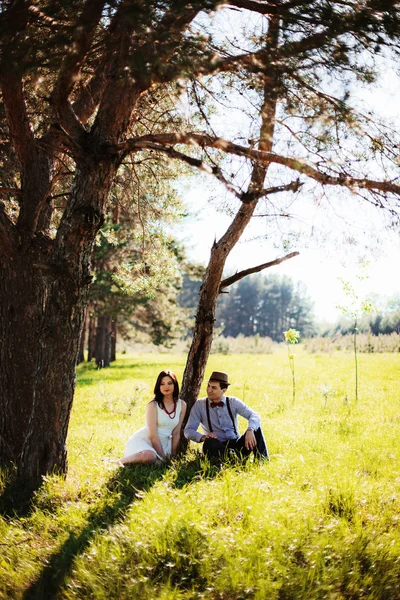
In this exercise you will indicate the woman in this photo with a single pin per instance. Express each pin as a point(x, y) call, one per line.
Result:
point(164, 415)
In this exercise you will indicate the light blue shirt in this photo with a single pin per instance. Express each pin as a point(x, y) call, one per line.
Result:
point(221, 422)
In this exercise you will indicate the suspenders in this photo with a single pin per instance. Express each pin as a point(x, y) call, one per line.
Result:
point(230, 414)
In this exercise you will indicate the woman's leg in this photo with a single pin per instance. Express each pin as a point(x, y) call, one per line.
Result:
point(146, 456)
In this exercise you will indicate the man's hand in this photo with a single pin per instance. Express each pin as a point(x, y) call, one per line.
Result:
point(250, 441)
point(208, 435)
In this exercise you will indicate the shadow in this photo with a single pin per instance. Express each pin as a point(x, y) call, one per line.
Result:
point(16, 498)
point(196, 467)
point(87, 373)
point(192, 469)
point(119, 493)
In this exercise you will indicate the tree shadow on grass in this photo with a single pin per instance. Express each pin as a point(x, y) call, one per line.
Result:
point(195, 467)
point(16, 498)
point(192, 468)
point(119, 493)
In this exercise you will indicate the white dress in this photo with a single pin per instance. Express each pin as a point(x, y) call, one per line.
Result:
point(140, 440)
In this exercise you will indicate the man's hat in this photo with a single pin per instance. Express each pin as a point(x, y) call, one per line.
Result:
point(219, 376)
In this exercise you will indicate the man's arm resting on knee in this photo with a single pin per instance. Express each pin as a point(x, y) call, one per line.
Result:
point(247, 413)
point(254, 420)
point(250, 441)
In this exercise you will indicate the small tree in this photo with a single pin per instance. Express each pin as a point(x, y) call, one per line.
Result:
point(355, 308)
point(292, 337)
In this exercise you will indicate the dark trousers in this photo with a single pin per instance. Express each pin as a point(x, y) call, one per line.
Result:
point(214, 449)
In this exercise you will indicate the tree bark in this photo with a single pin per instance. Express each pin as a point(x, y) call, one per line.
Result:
point(114, 332)
point(44, 289)
point(41, 318)
point(81, 353)
point(92, 339)
point(103, 341)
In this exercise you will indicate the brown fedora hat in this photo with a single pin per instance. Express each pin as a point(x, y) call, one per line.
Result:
point(219, 376)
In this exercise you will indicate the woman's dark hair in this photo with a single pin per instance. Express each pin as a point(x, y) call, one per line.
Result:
point(157, 393)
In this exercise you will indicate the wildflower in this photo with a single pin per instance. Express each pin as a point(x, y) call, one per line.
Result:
point(291, 336)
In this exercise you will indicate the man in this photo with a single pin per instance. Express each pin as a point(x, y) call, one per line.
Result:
point(217, 414)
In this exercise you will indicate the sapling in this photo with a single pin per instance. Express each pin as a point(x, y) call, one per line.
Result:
point(356, 309)
point(292, 337)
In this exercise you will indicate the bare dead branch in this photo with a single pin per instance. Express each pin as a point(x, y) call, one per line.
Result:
point(294, 186)
point(201, 165)
point(241, 274)
point(63, 195)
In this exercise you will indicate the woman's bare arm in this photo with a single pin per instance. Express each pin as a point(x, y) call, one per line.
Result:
point(151, 420)
point(176, 434)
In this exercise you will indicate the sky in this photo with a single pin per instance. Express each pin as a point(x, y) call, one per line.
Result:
point(319, 265)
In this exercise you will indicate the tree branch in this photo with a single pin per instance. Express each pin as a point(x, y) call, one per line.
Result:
point(9, 190)
point(350, 22)
point(266, 8)
point(70, 69)
point(241, 274)
point(293, 186)
point(16, 19)
point(245, 197)
point(295, 164)
point(90, 95)
point(199, 164)
point(8, 233)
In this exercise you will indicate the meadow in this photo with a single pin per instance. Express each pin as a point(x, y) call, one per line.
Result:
point(320, 520)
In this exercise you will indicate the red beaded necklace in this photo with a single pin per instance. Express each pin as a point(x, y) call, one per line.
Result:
point(173, 411)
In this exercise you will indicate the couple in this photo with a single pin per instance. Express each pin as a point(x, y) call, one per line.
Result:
point(217, 414)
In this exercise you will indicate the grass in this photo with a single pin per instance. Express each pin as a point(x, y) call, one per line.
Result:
point(321, 520)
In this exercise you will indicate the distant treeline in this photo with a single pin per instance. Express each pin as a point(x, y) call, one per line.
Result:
point(266, 305)
point(382, 322)
point(259, 305)
point(366, 342)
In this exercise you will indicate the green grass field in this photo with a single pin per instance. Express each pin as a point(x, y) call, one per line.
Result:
point(320, 520)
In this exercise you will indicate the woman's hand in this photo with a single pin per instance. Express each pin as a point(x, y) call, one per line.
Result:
point(176, 434)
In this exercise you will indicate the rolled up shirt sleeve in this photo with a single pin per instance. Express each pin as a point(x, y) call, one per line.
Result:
point(244, 411)
point(190, 431)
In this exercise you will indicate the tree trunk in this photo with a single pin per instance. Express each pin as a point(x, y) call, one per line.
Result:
point(92, 338)
point(44, 292)
point(81, 353)
point(114, 331)
point(41, 318)
point(103, 341)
